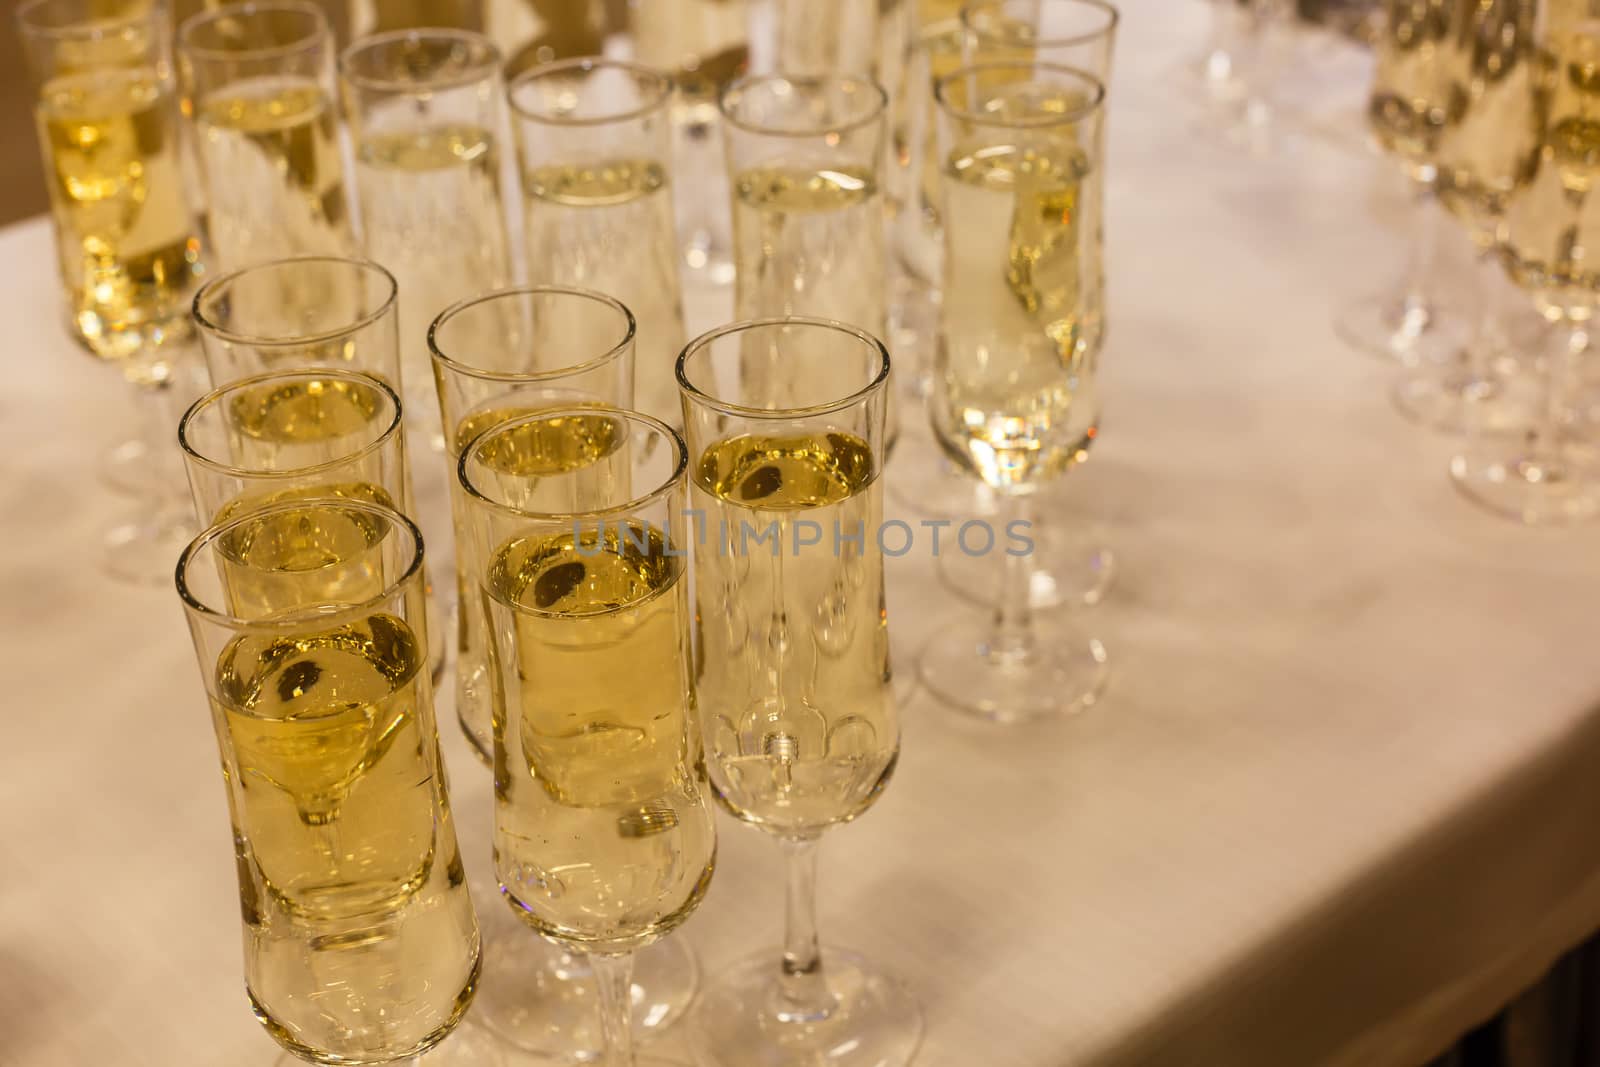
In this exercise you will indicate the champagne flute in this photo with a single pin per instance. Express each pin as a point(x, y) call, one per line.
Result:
point(805, 158)
point(1406, 112)
point(1490, 133)
point(302, 313)
point(604, 836)
point(1016, 398)
point(426, 112)
point(258, 82)
point(360, 942)
point(704, 45)
point(792, 680)
point(1550, 474)
point(595, 140)
point(126, 241)
point(498, 357)
point(1070, 563)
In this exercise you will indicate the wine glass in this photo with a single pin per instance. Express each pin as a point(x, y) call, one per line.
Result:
point(604, 836)
point(127, 246)
point(496, 357)
point(785, 419)
point(426, 114)
point(595, 140)
point(258, 79)
point(1015, 392)
point(1407, 111)
point(1490, 133)
point(308, 620)
point(1551, 473)
point(1070, 565)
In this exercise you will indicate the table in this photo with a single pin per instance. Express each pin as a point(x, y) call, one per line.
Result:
point(1336, 807)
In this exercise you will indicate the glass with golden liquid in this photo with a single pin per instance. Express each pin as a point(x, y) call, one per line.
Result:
point(361, 945)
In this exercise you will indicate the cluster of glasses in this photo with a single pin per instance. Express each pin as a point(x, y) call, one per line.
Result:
point(1490, 107)
point(595, 460)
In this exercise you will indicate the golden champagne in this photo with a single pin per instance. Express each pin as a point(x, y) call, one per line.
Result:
point(609, 227)
point(792, 667)
point(1552, 221)
point(1407, 109)
point(125, 238)
point(809, 241)
point(431, 212)
point(270, 152)
point(603, 834)
point(1021, 311)
point(359, 930)
point(1491, 129)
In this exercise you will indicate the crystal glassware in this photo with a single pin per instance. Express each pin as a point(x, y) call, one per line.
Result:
point(785, 423)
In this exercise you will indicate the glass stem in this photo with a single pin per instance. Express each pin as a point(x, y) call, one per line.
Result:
point(162, 413)
point(1416, 309)
point(613, 978)
point(803, 989)
point(1013, 613)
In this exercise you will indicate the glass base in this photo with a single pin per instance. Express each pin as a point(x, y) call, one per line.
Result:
point(1536, 490)
point(1453, 401)
point(466, 1046)
point(876, 1020)
point(1064, 672)
point(541, 999)
point(1385, 327)
point(130, 469)
point(1068, 568)
point(144, 549)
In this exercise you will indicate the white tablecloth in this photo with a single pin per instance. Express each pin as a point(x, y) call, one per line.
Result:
point(1338, 803)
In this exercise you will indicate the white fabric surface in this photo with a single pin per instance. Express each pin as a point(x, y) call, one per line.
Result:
point(1337, 805)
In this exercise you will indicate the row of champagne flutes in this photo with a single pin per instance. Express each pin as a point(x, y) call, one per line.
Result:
point(1490, 107)
point(1012, 397)
point(307, 606)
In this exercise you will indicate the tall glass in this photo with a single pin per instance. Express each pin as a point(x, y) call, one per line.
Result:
point(1493, 130)
point(1070, 563)
point(127, 251)
point(792, 679)
point(258, 78)
point(498, 357)
point(310, 311)
point(604, 836)
point(426, 112)
point(805, 158)
point(704, 45)
point(1551, 473)
point(360, 943)
point(1015, 392)
point(1407, 111)
point(595, 140)
point(294, 435)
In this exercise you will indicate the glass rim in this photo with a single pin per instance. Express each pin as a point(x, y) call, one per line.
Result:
point(658, 100)
point(672, 482)
point(485, 64)
point(705, 340)
point(1113, 17)
point(320, 30)
point(90, 28)
point(1042, 122)
point(752, 81)
point(396, 420)
point(223, 333)
point(629, 334)
point(298, 618)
